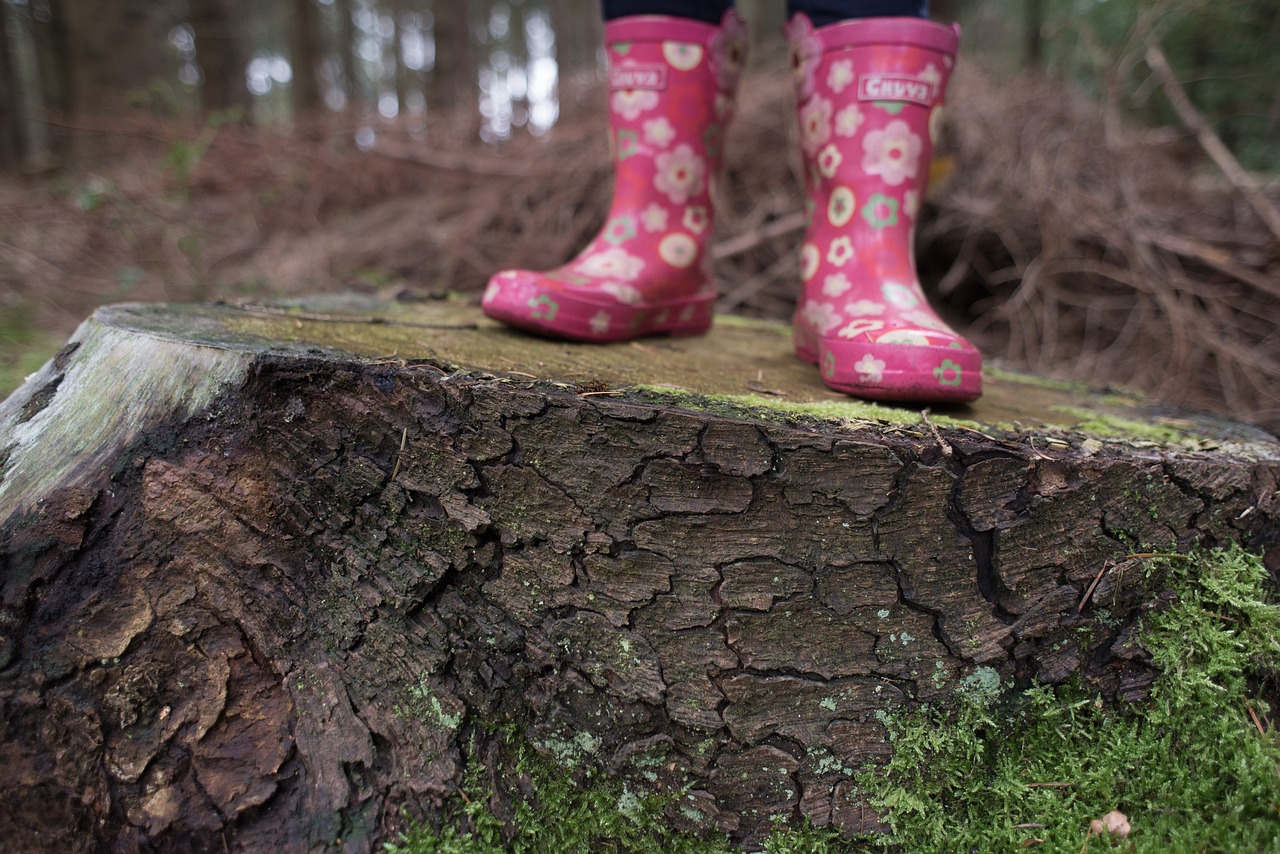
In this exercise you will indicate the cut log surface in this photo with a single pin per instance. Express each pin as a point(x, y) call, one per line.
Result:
point(273, 575)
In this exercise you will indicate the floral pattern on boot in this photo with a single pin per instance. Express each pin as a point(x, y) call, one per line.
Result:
point(647, 271)
point(870, 96)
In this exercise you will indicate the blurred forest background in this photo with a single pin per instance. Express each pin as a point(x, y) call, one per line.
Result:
point(1104, 205)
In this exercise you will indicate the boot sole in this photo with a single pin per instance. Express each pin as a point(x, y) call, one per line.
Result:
point(569, 317)
point(910, 373)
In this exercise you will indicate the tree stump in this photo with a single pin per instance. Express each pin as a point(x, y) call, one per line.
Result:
point(272, 575)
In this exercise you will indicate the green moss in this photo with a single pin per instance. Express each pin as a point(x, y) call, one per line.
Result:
point(1188, 766)
point(991, 372)
point(553, 814)
point(1098, 423)
point(847, 412)
point(739, 322)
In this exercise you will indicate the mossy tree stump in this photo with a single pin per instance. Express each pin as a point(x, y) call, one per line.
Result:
point(272, 577)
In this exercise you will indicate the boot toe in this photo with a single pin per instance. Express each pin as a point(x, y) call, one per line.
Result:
point(902, 372)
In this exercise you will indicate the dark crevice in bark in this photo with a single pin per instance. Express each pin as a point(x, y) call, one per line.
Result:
point(41, 399)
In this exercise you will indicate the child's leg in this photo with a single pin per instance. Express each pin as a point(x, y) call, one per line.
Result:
point(707, 11)
point(823, 12)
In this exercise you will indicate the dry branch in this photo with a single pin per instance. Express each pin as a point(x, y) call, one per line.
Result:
point(1210, 141)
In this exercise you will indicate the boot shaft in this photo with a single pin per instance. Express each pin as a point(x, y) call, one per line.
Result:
point(870, 97)
point(671, 92)
point(671, 84)
point(869, 101)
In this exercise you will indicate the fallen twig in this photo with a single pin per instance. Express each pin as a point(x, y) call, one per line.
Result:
point(1106, 564)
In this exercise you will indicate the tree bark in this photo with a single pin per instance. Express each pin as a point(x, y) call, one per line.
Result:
point(270, 575)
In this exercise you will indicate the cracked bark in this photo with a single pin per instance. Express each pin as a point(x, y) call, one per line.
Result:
point(285, 618)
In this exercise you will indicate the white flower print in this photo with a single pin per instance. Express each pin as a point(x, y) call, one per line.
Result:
point(614, 263)
point(848, 120)
point(840, 252)
point(835, 284)
point(932, 74)
point(659, 132)
point(840, 75)
point(683, 56)
point(695, 219)
point(600, 322)
point(870, 369)
point(625, 294)
point(829, 159)
point(822, 315)
point(899, 295)
point(654, 217)
point(865, 306)
point(893, 153)
point(630, 103)
point(907, 337)
point(860, 326)
point(678, 250)
point(810, 258)
point(680, 173)
point(815, 124)
point(840, 206)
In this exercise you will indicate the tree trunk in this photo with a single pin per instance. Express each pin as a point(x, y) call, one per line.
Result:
point(578, 34)
point(22, 121)
point(452, 80)
point(270, 576)
point(1034, 33)
point(397, 10)
point(357, 86)
point(306, 40)
point(116, 50)
point(11, 144)
point(221, 34)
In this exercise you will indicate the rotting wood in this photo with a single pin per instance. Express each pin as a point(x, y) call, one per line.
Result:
point(262, 584)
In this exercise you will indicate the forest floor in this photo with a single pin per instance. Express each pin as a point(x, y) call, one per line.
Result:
point(1061, 239)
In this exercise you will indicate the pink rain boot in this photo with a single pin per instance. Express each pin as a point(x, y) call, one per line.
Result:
point(671, 85)
point(870, 97)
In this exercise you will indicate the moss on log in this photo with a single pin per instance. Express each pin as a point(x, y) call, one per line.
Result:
point(272, 576)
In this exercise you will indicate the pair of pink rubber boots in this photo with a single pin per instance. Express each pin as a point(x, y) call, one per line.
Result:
point(870, 96)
